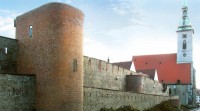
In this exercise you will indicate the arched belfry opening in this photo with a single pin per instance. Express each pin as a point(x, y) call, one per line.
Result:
point(184, 45)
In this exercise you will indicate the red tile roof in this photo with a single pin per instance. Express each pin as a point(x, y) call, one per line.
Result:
point(168, 70)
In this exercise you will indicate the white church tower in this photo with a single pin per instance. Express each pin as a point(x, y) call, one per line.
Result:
point(185, 37)
point(185, 48)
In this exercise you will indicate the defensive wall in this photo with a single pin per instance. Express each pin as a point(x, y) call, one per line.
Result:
point(50, 48)
point(103, 75)
point(95, 99)
point(143, 84)
point(100, 74)
point(8, 55)
point(17, 92)
point(107, 85)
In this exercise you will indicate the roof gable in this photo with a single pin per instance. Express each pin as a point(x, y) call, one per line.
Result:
point(150, 72)
point(125, 65)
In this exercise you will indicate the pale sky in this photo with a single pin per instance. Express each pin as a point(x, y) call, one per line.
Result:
point(119, 29)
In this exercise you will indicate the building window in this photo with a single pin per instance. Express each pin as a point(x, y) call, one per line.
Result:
point(184, 36)
point(184, 44)
point(185, 12)
point(74, 65)
point(30, 31)
point(178, 81)
point(170, 91)
point(6, 50)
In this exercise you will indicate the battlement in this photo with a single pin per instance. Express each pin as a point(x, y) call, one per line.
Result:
point(104, 66)
point(103, 75)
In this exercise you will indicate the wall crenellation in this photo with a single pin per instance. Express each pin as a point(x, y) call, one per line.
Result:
point(107, 85)
point(103, 75)
point(104, 66)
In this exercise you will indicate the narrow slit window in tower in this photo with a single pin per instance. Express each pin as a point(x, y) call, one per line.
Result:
point(6, 50)
point(30, 31)
point(74, 65)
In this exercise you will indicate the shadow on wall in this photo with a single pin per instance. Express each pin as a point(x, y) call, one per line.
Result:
point(8, 55)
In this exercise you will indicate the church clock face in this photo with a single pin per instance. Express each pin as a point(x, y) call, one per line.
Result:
point(184, 54)
point(184, 36)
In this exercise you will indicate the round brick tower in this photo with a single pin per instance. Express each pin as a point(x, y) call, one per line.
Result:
point(50, 46)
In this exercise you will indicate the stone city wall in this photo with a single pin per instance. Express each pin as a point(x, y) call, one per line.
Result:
point(100, 74)
point(103, 75)
point(105, 86)
point(8, 55)
point(95, 99)
point(17, 92)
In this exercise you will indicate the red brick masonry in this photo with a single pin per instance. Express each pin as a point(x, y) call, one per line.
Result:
point(53, 54)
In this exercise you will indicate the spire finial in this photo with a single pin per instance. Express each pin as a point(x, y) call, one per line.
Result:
point(184, 3)
point(108, 60)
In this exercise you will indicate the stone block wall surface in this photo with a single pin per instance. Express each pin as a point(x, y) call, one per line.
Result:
point(50, 47)
point(95, 99)
point(143, 84)
point(107, 85)
point(8, 55)
point(100, 74)
point(103, 75)
point(17, 92)
point(134, 83)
